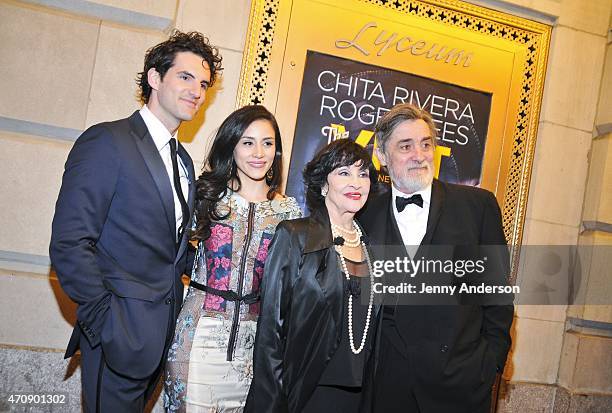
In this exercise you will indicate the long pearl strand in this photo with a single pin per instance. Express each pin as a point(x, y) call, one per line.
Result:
point(350, 299)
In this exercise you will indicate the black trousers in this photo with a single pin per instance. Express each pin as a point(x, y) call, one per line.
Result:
point(394, 386)
point(105, 390)
point(393, 382)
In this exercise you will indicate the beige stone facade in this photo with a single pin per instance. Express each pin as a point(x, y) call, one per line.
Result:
point(64, 69)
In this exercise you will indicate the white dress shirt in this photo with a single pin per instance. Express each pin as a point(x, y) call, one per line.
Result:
point(412, 221)
point(161, 137)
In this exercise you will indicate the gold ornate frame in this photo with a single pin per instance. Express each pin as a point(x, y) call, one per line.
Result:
point(509, 60)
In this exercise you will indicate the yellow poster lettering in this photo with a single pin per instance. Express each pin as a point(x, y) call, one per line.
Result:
point(338, 131)
point(363, 139)
point(438, 154)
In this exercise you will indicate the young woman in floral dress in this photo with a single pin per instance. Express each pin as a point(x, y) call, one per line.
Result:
point(238, 206)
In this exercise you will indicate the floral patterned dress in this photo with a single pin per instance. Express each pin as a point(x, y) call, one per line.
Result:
point(210, 362)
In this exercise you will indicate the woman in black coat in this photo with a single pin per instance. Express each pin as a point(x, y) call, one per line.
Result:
point(316, 324)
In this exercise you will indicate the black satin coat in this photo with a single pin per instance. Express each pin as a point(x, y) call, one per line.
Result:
point(301, 315)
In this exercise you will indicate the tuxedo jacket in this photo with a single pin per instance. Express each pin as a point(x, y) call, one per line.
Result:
point(113, 244)
point(453, 351)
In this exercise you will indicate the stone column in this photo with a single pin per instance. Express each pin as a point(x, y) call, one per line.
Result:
point(585, 370)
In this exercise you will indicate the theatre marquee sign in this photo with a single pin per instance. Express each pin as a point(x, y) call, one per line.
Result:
point(329, 69)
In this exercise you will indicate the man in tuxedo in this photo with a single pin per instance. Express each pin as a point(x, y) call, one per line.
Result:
point(119, 242)
point(434, 358)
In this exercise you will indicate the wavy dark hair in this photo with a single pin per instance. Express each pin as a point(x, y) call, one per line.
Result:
point(339, 153)
point(220, 168)
point(161, 58)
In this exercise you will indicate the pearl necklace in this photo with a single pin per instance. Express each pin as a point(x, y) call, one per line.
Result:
point(350, 299)
point(355, 242)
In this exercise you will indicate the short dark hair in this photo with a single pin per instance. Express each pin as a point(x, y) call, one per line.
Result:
point(399, 113)
point(339, 153)
point(161, 58)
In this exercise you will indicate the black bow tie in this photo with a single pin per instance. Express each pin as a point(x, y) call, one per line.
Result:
point(401, 202)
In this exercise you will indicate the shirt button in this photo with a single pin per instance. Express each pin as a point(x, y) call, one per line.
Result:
point(444, 348)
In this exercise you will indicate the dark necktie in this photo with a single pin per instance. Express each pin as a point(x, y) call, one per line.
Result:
point(401, 202)
point(178, 190)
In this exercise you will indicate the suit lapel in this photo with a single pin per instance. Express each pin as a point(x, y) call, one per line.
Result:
point(182, 153)
point(155, 165)
point(394, 239)
point(190, 175)
point(435, 209)
point(393, 232)
point(382, 228)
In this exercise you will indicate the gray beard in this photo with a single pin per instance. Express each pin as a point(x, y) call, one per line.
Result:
point(412, 185)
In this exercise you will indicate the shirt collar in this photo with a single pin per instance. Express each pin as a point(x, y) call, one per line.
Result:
point(425, 194)
point(161, 136)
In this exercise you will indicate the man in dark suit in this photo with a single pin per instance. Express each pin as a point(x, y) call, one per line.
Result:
point(119, 242)
point(434, 358)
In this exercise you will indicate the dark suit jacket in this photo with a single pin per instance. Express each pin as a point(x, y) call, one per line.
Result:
point(113, 244)
point(301, 315)
point(453, 351)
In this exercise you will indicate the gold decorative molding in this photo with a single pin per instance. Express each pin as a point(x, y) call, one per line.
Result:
point(257, 51)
